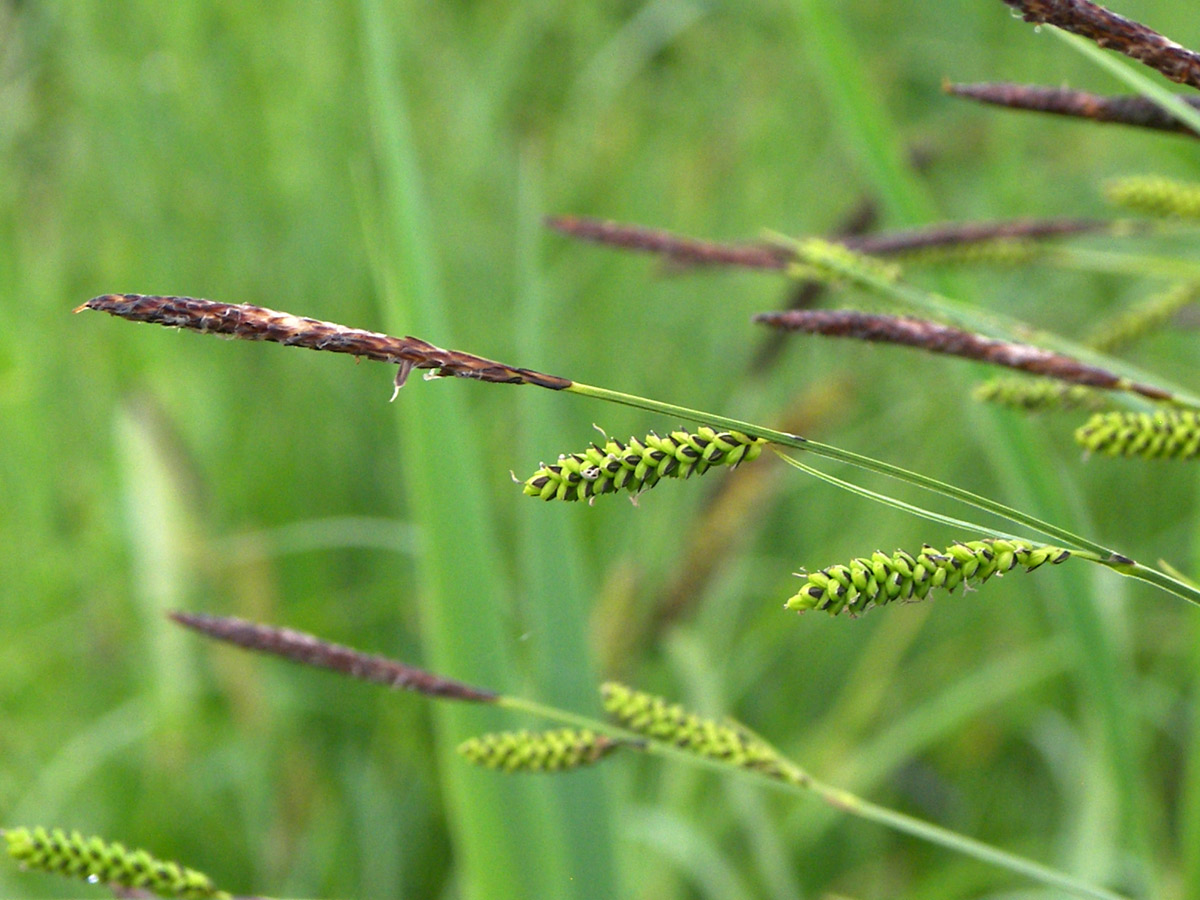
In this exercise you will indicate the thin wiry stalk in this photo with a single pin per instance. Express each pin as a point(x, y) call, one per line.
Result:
point(684, 251)
point(944, 339)
point(1114, 32)
point(255, 323)
point(310, 651)
point(1129, 109)
point(750, 757)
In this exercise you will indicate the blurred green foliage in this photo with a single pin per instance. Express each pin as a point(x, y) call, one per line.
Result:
point(235, 151)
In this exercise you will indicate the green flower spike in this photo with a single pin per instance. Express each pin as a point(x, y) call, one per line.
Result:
point(1167, 434)
point(833, 263)
point(639, 464)
point(94, 860)
point(1037, 394)
point(544, 751)
point(1142, 318)
point(880, 580)
point(1155, 195)
point(730, 743)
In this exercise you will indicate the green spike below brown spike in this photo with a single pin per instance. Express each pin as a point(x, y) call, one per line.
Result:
point(1166, 434)
point(1156, 196)
point(98, 861)
point(543, 751)
point(641, 463)
point(880, 579)
point(730, 743)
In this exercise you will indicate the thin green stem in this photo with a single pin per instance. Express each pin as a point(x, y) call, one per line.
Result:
point(895, 503)
point(952, 840)
point(800, 783)
point(1116, 561)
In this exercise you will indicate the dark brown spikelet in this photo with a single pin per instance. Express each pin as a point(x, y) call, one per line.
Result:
point(311, 651)
point(256, 323)
point(946, 235)
point(684, 252)
point(675, 248)
point(1129, 109)
point(936, 338)
point(1114, 32)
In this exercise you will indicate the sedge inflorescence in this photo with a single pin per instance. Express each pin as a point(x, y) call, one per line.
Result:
point(881, 579)
point(639, 464)
point(655, 718)
point(542, 751)
point(1155, 195)
point(1166, 434)
point(96, 860)
point(1036, 394)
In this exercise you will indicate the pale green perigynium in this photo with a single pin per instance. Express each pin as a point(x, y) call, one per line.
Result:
point(1155, 195)
point(542, 751)
point(639, 464)
point(881, 579)
point(833, 263)
point(655, 718)
point(1142, 318)
point(100, 862)
point(1037, 394)
point(1166, 434)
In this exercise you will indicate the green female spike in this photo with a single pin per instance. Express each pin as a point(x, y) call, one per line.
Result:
point(1166, 434)
point(545, 751)
point(655, 718)
point(641, 463)
point(866, 583)
point(98, 861)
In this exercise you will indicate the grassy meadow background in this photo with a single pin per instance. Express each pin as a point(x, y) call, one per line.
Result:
point(386, 165)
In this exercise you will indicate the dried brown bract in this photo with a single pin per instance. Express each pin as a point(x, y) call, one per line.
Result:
point(256, 323)
point(311, 651)
point(1107, 29)
point(938, 338)
point(1129, 109)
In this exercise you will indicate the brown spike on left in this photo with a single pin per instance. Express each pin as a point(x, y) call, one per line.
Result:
point(256, 323)
point(311, 651)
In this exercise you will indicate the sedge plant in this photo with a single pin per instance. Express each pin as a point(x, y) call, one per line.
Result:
point(1136, 413)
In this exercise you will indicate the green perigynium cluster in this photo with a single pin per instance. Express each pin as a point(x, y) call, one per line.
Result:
point(1142, 318)
point(655, 718)
point(541, 751)
point(1166, 434)
point(97, 861)
point(1155, 195)
point(827, 261)
point(1036, 394)
point(881, 579)
point(639, 464)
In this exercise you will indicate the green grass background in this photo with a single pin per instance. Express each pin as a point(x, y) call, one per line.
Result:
point(386, 165)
